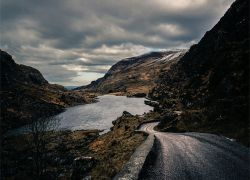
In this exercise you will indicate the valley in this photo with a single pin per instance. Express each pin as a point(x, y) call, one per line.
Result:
point(194, 103)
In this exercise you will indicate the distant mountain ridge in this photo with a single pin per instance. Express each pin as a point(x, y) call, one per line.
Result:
point(136, 74)
point(70, 87)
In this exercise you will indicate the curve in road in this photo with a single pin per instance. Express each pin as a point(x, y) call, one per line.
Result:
point(194, 156)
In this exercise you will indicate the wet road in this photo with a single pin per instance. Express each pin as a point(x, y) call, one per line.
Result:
point(194, 156)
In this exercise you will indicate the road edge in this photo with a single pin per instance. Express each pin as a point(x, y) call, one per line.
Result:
point(133, 167)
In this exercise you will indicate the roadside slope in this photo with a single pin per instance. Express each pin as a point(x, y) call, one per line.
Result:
point(210, 84)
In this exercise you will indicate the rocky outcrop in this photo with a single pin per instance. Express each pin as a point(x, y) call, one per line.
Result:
point(114, 149)
point(26, 95)
point(136, 75)
point(210, 84)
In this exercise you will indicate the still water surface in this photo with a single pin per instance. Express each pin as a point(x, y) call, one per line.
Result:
point(101, 114)
point(98, 115)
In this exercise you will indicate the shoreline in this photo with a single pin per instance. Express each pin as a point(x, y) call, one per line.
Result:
point(81, 150)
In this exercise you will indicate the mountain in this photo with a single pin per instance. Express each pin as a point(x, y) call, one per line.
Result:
point(70, 87)
point(10, 72)
point(210, 83)
point(26, 95)
point(136, 74)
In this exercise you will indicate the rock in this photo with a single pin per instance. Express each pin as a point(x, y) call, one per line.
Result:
point(81, 166)
point(137, 95)
point(166, 120)
point(127, 114)
point(151, 103)
point(170, 129)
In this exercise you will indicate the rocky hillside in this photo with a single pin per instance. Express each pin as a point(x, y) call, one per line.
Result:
point(26, 95)
point(12, 72)
point(210, 84)
point(136, 74)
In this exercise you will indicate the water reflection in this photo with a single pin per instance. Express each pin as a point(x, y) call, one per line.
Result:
point(101, 114)
point(98, 115)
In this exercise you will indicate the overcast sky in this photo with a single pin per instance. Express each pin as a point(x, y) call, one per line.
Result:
point(73, 42)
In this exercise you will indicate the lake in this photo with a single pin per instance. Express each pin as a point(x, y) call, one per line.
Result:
point(97, 115)
point(100, 115)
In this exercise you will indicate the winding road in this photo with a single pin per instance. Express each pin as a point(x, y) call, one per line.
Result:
point(194, 156)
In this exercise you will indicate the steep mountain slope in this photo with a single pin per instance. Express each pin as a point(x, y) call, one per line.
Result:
point(10, 71)
point(136, 74)
point(26, 95)
point(210, 84)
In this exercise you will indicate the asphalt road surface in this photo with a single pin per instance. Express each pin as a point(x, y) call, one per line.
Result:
point(181, 156)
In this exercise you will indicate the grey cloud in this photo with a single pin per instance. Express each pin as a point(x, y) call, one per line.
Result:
point(91, 34)
point(101, 62)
